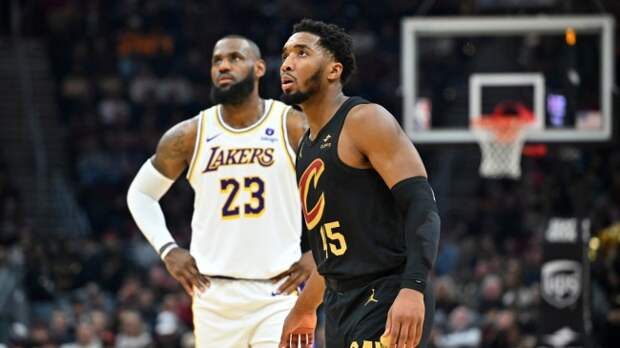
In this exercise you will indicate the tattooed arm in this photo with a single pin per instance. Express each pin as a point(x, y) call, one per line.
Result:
point(174, 152)
point(175, 149)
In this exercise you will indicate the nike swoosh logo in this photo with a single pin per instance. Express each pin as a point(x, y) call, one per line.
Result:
point(213, 137)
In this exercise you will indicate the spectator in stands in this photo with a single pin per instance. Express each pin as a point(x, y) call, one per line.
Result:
point(167, 330)
point(133, 333)
point(101, 324)
point(39, 335)
point(60, 331)
point(461, 331)
point(86, 336)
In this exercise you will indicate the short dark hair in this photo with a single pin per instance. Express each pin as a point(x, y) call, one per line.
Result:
point(335, 40)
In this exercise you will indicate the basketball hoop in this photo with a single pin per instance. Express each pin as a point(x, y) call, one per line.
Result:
point(501, 136)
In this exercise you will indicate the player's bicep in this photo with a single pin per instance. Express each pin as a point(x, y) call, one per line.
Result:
point(175, 149)
point(391, 153)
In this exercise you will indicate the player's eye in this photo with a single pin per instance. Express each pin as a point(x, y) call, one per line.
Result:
point(303, 53)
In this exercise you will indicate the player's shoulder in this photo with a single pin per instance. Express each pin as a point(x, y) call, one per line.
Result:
point(296, 125)
point(294, 117)
point(369, 116)
point(176, 146)
point(279, 108)
point(371, 125)
point(278, 103)
point(188, 126)
point(181, 134)
point(205, 113)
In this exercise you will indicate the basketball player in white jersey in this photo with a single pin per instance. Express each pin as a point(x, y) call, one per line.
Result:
point(245, 261)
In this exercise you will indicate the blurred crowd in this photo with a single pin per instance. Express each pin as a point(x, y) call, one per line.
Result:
point(128, 70)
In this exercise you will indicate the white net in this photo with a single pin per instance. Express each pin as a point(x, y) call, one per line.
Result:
point(501, 142)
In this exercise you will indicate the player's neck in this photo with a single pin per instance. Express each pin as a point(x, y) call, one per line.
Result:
point(321, 108)
point(245, 114)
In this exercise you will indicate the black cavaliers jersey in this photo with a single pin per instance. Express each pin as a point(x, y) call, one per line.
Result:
point(350, 216)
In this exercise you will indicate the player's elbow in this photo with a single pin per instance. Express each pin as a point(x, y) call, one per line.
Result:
point(147, 183)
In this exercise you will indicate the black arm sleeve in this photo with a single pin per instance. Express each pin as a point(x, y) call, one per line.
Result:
point(416, 201)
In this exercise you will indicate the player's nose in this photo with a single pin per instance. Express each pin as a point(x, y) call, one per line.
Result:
point(287, 65)
point(224, 66)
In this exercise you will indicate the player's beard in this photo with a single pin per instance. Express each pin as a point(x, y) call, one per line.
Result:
point(314, 84)
point(236, 93)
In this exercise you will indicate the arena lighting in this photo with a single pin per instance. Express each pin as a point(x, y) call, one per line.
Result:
point(570, 36)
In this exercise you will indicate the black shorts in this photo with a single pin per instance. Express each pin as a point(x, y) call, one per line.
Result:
point(356, 318)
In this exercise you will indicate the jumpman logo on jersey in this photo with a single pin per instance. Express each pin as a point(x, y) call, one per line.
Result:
point(371, 298)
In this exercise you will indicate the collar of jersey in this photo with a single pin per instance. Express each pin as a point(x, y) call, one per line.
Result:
point(220, 120)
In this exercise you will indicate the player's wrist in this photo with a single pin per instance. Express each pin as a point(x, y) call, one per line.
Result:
point(413, 284)
point(303, 310)
point(305, 306)
point(412, 293)
point(166, 249)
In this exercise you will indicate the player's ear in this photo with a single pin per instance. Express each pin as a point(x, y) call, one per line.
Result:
point(334, 70)
point(260, 68)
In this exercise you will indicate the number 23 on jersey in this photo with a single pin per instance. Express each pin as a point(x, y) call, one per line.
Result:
point(253, 208)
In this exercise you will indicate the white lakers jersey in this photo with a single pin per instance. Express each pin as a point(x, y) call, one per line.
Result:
point(246, 221)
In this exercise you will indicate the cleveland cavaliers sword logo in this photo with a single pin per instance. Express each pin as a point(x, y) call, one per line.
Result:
point(311, 175)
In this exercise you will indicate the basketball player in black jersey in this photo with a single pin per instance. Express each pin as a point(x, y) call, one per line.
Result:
point(369, 212)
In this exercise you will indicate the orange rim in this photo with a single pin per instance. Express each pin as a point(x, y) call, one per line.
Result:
point(505, 128)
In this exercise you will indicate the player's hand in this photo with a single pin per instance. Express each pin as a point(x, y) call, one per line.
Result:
point(297, 274)
point(182, 267)
point(405, 320)
point(298, 330)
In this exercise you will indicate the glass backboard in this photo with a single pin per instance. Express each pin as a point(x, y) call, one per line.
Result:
point(456, 69)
